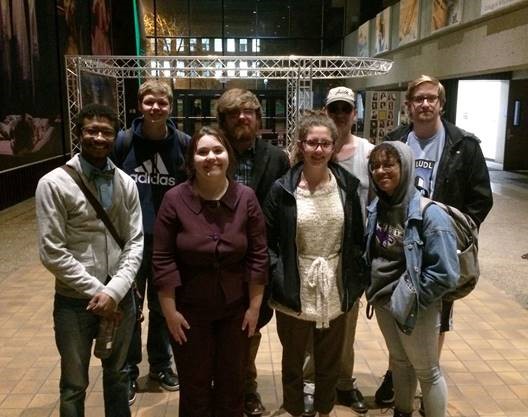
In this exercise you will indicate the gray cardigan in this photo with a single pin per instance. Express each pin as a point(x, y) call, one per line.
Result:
point(76, 247)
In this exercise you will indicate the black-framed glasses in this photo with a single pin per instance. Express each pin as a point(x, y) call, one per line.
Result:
point(431, 99)
point(313, 144)
point(94, 132)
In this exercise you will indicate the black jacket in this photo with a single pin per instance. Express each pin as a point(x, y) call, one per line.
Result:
point(271, 163)
point(280, 210)
point(462, 177)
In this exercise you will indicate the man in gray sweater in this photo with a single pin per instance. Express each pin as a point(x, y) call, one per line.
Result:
point(93, 273)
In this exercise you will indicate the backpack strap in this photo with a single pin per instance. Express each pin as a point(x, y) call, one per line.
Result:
point(424, 203)
point(123, 147)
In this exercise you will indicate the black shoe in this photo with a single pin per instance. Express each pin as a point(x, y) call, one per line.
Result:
point(421, 410)
point(309, 410)
point(398, 413)
point(353, 399)
point(132, 388)
point(253, 405)
point(167, 379)
point(385, 393)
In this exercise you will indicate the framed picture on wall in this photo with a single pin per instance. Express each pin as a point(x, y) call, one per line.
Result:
point(382, 31)
point(97, 88)
point(363, 40)
point(409, 13)
point(446, 13)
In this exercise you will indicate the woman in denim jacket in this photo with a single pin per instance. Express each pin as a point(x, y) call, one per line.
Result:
point(413, 263)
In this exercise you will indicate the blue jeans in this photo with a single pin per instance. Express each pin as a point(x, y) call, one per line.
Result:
point(415, 357)
point(75, 330)
point(159, 350)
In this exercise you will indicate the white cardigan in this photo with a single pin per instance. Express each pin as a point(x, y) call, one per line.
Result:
point(76, 246)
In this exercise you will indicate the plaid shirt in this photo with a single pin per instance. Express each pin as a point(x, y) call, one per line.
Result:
point(246, 161)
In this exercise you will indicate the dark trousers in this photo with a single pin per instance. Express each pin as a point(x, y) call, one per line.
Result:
point(251, 371)
point(75, 329)
point(212, 363)
point(295, 334)
point(159, 350)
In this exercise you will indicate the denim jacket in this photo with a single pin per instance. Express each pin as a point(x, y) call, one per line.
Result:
point(432, 267)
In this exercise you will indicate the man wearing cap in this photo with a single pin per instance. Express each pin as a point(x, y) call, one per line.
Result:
point(352, 154)
point(259, 164)
point(450, 168)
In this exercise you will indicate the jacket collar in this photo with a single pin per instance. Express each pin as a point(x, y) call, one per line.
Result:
point(292, 177)
point(196, 203)
point(453, 133)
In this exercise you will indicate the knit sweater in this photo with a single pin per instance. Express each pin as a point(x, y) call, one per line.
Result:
point(320, 222)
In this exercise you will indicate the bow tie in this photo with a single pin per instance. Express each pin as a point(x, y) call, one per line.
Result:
point(105, 175)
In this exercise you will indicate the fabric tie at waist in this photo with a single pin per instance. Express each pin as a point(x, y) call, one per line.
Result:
point(318, 278)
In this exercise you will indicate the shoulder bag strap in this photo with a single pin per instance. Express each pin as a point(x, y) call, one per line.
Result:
point(101, 213)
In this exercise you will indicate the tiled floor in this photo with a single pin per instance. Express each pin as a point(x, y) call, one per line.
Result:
point(485, 358)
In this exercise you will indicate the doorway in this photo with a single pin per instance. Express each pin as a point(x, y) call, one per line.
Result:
point(516, 145)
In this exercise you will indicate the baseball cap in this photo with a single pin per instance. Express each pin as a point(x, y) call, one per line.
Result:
point(341, 94)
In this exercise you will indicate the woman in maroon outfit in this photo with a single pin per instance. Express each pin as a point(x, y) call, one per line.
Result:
point(210, 266)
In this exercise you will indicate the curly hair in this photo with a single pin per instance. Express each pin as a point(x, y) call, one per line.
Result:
point(96, 110)
point(310, 119)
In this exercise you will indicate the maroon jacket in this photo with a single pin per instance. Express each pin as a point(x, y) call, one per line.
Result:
point(203, 247)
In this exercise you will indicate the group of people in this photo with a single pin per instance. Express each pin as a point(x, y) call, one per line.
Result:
point(219, 229)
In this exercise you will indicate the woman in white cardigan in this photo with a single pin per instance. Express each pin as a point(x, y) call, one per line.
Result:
point(315, 238)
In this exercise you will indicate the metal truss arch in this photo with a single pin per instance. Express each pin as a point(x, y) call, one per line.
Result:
point(298, 71)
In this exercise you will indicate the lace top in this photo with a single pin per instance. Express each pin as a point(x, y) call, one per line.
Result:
point(320, 222)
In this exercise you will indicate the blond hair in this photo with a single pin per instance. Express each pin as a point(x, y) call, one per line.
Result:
point(422, 79)
point(155, 86)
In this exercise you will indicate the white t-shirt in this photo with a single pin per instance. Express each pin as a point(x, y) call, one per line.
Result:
point(357, 165)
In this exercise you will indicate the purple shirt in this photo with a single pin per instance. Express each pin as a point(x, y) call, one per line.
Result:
point(201, 246)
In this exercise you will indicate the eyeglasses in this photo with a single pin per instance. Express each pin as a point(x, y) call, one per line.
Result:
point(385, 167)
point(247, 112)
point(94, 132)
point(420, 99)
point(312, 144)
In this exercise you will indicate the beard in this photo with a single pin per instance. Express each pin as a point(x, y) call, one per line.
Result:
point(242, 134)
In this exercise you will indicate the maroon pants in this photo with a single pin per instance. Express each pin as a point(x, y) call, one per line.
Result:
point(212, 364)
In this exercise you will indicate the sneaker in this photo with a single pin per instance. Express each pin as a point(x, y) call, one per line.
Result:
point(385, 393)
point(167, 379)
point(132, 388)
point(309, 410)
